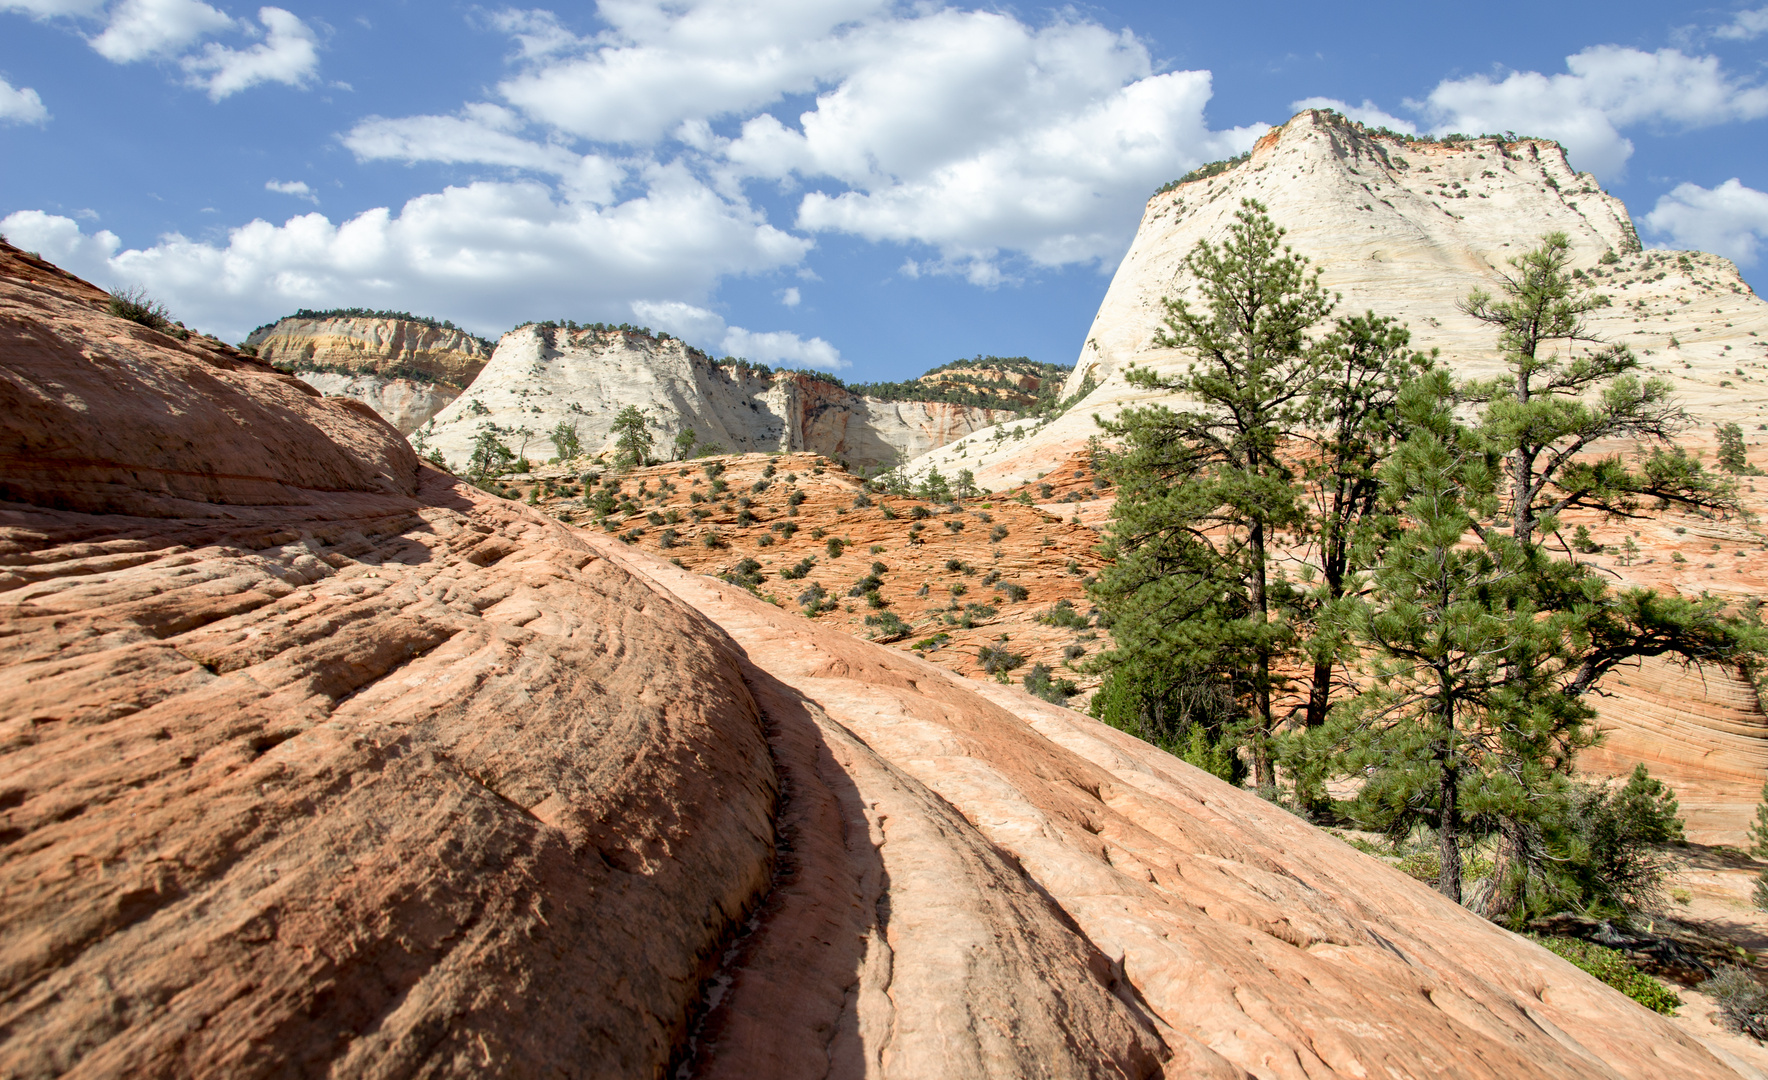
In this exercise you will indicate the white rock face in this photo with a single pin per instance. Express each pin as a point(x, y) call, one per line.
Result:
point(403, 369)
point(404, 403)
point(1408, 230)
point(540, 377)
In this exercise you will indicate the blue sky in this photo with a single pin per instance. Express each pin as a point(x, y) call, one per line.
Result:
point(852, 184)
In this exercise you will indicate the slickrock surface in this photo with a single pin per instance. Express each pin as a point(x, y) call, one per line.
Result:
point(1250, 942)
point(105, 414)
point(403, 369)
point(417, 782)
point(377, 782)
point(541, 376)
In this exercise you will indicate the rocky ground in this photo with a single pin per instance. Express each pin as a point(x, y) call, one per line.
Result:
point(949, 573)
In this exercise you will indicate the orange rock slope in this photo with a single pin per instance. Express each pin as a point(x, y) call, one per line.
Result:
point(353, 770)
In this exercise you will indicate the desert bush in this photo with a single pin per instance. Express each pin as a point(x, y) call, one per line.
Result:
point(887, 626)
point(1743, 1006)
point(1063, 614)
point(135, 305)
point(1055, 691)
point(998, 659)
point(794, 573)
point(1013, 591)
point(1613, 968)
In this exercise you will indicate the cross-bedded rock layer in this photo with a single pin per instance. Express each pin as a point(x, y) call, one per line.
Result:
point(343, 768)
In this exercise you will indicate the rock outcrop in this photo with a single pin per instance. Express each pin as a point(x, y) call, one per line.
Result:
point(405, 369)
point(363, 772)
point(1408, 229)
point(541, 376)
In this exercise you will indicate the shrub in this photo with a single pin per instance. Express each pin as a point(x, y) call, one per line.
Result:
point(1616, 970)
point(667, 539)
point(918, 512)
point(887, 627)
point(816, 600)
point(997, 534)
point(794, 573)
point(1013, 591)
point(135, 305)
point(997, 659)
point(1074, 652)
point(1741, 1000)
point(1063, 614)
point(747, 574)
point(1054, 691)
point(712, 539)
point(834, 547)
point(957, 566)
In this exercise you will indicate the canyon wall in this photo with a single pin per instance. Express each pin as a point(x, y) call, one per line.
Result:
point(541, 376)
point(404, 369)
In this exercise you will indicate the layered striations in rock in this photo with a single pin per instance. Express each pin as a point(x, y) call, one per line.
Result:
point(369, 774)
point(542, 376)
point(405, 369)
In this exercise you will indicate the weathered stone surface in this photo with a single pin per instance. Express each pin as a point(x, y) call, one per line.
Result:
point(105, 414)
point(1254, 944)
point(405, 370)
point(405, 403)
point(539, 377)
point(408, 781)
point(386, 782)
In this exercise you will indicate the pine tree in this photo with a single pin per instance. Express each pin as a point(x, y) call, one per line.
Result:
point(1351, 426)
point(566, 440)
point(1546, 411)
point(1461, 720)
point(1202, 492)
point(1731, 453)
point(490, 457)
point(632, 438)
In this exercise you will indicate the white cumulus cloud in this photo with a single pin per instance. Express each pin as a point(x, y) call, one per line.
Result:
point(791, 296)
point(20, 105)
point(707, 329)
point(1729, 220)
point(297, 188)
point(1745, 26)
point(484, 134)
point(289, 54)
point(142, 29)
point(983, 137)
point(1606, 88)
point(60, 240)
point(488, 253)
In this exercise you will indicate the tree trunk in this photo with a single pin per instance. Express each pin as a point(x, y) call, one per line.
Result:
point(1449, 810)
point(1264, 776)
point(1319, 693)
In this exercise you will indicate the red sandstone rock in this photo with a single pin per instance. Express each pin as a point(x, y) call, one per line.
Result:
point(383, 780)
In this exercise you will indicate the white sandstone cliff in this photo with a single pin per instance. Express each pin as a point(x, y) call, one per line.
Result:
point(403, 369)
point(541, 376)
point(1408, 230)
